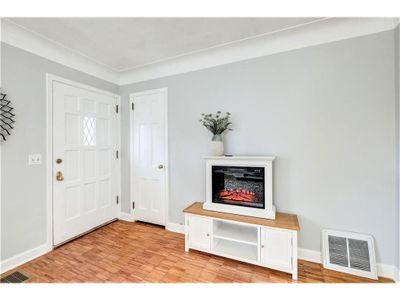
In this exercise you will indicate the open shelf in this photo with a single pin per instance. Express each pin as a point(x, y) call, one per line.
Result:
point(235, 250)
point(236, 232)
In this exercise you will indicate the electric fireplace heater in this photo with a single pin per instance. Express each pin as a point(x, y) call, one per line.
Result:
point(240, 185)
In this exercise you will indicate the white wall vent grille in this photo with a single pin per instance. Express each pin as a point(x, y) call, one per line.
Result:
point(349, 252)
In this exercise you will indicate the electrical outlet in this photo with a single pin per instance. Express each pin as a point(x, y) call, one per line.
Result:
point(35, 159)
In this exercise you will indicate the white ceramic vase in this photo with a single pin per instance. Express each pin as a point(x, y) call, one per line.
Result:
point(217, 145)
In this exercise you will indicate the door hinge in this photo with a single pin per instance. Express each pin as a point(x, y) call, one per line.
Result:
point(133, 205)
point(116, 109)
point(133, 106)
point(117, 154)
point(117, 200)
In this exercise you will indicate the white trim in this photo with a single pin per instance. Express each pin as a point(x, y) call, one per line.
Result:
point(23, 257)
point(126, 217)
point(217, 46)
point(384, 270)
point(166, 155)
point(50, 79)
point(397, 232)
point(119, 160)
point(175, 227)
point(81, 85)
point(20, 37)
point(310, 255)
point(131, 198)
point(316, 33)
point(387, 271)
point(49, 158)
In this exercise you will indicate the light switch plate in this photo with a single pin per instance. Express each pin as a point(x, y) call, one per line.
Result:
point(35, 159)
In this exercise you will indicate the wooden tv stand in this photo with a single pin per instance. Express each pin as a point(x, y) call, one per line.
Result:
point(263, 242)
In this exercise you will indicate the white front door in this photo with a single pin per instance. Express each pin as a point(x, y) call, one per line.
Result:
point(149, 149)
point(85, 166)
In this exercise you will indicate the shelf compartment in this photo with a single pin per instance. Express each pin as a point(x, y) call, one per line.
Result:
point(235, 250)
point(236, 232)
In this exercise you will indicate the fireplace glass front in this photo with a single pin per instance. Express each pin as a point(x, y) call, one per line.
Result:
point(242, 186)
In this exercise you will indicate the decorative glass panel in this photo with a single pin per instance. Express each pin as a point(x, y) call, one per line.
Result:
point(89, 134)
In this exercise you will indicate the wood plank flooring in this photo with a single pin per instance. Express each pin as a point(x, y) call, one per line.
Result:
point(139, 252)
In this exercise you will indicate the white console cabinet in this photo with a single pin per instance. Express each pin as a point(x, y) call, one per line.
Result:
point(268, 243)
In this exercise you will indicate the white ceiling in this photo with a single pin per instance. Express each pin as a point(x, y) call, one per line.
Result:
point(122, 44)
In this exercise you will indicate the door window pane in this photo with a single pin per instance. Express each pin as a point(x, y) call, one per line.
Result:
point(89, 131)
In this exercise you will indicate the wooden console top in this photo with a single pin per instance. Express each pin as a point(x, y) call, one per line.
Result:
point(286, 221)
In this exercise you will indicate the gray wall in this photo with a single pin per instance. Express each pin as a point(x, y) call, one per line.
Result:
point(23, 206)
point(327, 112)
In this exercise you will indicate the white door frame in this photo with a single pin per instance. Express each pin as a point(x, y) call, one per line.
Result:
point(50, 79)
point(131, 145)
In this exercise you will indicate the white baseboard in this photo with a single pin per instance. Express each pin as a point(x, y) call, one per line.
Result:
point(24, 257)
point(175, 227)
point(126, 217)
point(384, 270)
point(310, 255)
point(387, 271)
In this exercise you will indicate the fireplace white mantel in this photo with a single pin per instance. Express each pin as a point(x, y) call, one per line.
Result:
point(268, 212)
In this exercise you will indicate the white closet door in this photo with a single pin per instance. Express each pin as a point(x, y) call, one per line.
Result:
point(149, 156)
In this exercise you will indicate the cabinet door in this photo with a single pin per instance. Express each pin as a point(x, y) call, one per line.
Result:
point(199, 230)
point(276, 249)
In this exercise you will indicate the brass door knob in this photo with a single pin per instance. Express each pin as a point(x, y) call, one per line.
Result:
point(59, 176)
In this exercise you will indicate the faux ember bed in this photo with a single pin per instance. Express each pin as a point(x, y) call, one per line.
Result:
point(243, 186)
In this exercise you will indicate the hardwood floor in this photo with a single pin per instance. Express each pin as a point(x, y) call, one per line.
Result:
point(139, 252)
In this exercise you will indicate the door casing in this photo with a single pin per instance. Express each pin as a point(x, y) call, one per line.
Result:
point(131, 145)
point(50, 79)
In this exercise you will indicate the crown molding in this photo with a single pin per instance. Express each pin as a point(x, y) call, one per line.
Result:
point(311, 34)
point(22, 38)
